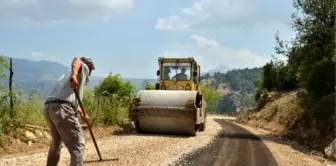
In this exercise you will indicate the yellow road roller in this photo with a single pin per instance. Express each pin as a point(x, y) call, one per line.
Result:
point(176, 105)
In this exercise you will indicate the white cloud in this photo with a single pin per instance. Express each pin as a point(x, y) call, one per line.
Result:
point(30, 12)
point(210, 54)
point(229, 13)
point(36, 54)
point(196, 9)
point(171, 23)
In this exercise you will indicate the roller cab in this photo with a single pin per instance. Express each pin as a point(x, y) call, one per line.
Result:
point(176, 105)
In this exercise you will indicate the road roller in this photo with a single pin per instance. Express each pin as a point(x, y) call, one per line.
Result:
point(176, 105)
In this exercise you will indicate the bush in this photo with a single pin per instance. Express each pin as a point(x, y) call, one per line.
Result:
point(30, 110)
point(108, 104)
point(107, 109)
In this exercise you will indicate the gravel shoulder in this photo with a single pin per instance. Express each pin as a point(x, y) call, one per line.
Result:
point(137, 149)
point(130, 149)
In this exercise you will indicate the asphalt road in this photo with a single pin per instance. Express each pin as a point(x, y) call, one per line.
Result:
point(234, 146)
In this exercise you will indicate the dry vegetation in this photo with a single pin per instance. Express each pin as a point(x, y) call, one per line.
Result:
point(277, 116)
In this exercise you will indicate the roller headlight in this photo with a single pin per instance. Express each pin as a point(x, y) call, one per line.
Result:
point(163, 87)
point(187, 87)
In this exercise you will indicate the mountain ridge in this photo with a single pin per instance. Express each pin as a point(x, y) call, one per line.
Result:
point(29, 75)
point(41, 75)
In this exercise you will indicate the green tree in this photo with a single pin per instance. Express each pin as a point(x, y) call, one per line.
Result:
point(148, 85)
point(269, 74)
point(115, 85)
point(311, 64)
point(111, 98)
point(210, 96)
point(312, 54)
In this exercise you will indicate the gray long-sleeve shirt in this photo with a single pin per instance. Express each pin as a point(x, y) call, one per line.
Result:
point(63, 91)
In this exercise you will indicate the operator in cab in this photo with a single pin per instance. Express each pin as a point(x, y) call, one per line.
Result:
point(182, 75)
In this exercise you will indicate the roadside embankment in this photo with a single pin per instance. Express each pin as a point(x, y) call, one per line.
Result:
point(283, 115)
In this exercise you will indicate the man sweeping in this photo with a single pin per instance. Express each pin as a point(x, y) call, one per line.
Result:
point(61, 109)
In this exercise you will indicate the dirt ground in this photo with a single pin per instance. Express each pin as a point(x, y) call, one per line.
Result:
point(120, 145)
point(21, 146)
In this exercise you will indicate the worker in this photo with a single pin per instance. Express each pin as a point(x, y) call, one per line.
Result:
point(61, 110)
point(182, 75)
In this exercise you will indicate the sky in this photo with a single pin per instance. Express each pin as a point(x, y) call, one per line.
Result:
point(128, 36)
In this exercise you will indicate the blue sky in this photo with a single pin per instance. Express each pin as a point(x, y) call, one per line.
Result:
point(127, 36)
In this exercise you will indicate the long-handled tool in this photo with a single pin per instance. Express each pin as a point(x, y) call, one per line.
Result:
point(87, 122)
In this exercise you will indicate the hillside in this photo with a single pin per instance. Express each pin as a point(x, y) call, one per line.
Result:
point(236, 88)
point(220, 68)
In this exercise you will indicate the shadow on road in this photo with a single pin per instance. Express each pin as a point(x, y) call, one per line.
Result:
point(135, 133)
point(98, 161)
point(129, 130)
point(239, 132)
point(242, 133)
point(244, 136)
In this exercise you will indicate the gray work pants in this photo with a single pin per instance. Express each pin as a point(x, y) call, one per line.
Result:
point(64, 126)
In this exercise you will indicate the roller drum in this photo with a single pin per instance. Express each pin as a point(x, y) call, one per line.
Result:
point(165, 98)
point(166, 112)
